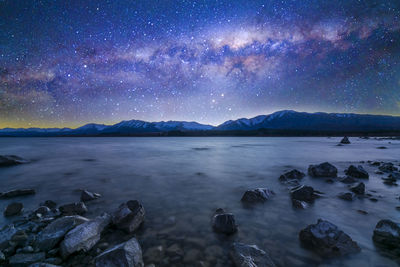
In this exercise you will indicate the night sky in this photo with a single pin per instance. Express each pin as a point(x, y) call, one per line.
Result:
point(67, 63)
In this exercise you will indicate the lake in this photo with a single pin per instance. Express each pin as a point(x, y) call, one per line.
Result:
point(181, 182)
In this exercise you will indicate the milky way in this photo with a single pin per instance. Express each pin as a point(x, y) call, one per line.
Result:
point(66, 63)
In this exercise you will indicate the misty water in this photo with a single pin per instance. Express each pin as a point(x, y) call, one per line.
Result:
point(181, 181)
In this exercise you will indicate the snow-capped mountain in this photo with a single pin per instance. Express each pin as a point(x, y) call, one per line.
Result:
point(283, 121)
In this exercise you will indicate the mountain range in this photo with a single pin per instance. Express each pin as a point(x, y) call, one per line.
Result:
point(285, 122)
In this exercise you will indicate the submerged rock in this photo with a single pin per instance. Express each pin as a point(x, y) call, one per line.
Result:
point(387, 236)
point(390, 181)
point(387, 167)
point(303, 193)
point(88, 196)
point(298, 204)
point(292, 175)
point(349, 196)
point(11, 160)
point(129, 216)
point(323, 170)
point(257, 195)
point(53, 233)
point(77, 208)
point(327, 240)
point(348, 180)
point(127, 254)
point(224, 222)
point(358, 189)
point(25, 259)
point(14, 208)
point(250, 256)
point(357, 172)
point(17, 193)
point(345, 140)
point(84, 236)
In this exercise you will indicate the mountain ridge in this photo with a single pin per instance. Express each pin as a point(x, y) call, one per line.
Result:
point(284, 120)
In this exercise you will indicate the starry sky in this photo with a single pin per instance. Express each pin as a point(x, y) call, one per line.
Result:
point(67, 63)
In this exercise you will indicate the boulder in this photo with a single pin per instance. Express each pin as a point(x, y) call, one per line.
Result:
point(127, 254)
point(53, 233)
point(292, 175)
point(25, 259)
point(77, 208)
point(250, 256)
point(84, 236)
point(129, 216)
point(345, 140)
point(327, 240)
point(224, 222)
point(12, 209)
point(390, 181)
point(6, 233)
point(50, 204)
point(357, 172)
point(387, 167)
point(303, 193)
point(88, 196)
point(11, 160)
point(358, 189)
point(387, 236)
point(257, 195)
point(349, 196)
point(323, 170)
point(17, 193)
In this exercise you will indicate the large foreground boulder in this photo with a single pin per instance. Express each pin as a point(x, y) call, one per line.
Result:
point(327, 240)
point(17, 193)
point(223, 222)
point(53, 233)
point(250, 256)
point(323, 170)
point(129, 216)
point(257, 195)
point(11, 160)
point(127, 254)
point(303, 193)
point(84, 236)
point(357, 172)
point(387, 236)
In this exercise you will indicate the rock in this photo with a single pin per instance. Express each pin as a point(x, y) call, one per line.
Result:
point(327, 240)
point(88, 196)
point(323, 170)
point(390, 181)
point(127, 254)
point(27, 249)
point(363, 212)
point(348, 180)
point(349, 196)
point(375, 163)
point(358, 189)
point(345, 140)
point(11, 160)
point(2, 257)
point(17, 193)
point(50, 204)
point(387, 236)
point(387, 167)
point(303, 193)
point(53, 233)
point(357, 172)
point(192, 256)
point(257, 195)
point(43, 210)
point(174, 251)
point(292, 175)
point(56, 261)
point(6, 233)
point(250, 256)
point(224, 222)
point(129, 216)
point(154, 254)
point(298, 204)
point(13, 209)
point(381, 147)
point(84, 236)
point(25, 259)
point(77, 208)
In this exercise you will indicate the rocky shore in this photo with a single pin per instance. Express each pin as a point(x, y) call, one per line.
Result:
point(61, 235)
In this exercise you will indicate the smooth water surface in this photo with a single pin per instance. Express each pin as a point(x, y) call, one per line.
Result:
point(182, 180)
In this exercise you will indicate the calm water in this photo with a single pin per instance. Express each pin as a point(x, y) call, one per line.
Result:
point(186, 179)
